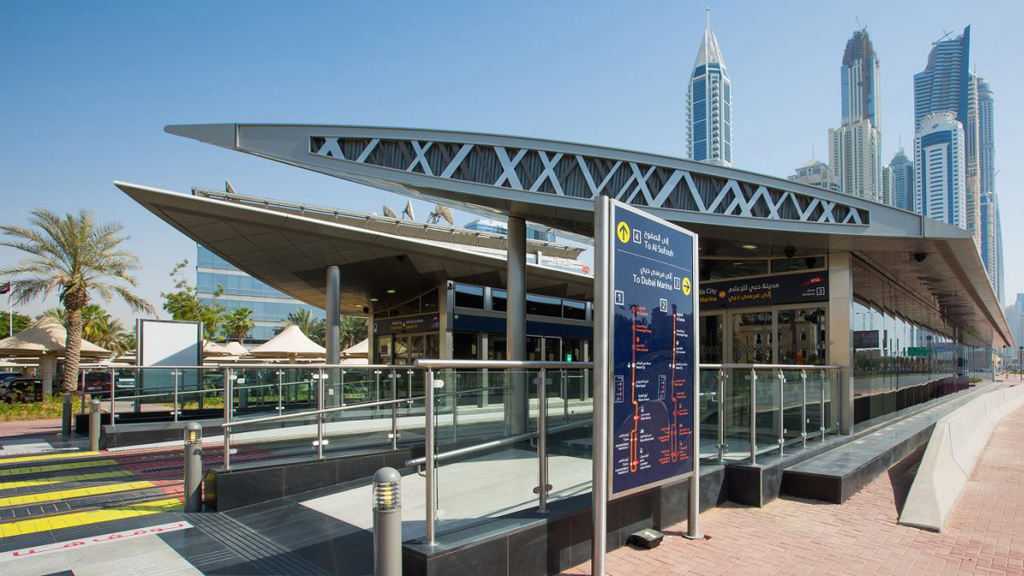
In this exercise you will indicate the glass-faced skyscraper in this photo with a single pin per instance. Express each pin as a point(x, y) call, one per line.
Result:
point(902, 181)
point(709, 104)
point(944, 83)
point(855, 148)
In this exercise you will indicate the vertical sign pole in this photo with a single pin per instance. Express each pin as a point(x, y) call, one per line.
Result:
point(602, 370)
point(693, 511)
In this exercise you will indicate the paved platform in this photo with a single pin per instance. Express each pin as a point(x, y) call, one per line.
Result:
point(841, 472)
point(861, 537)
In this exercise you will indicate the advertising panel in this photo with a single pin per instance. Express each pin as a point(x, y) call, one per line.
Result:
point(654, 351)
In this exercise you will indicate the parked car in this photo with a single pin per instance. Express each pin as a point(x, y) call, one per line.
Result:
point(22, 390)
point(98, 383)
point(5, 376)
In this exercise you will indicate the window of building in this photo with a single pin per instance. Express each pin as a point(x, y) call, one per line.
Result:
point(543, 305)
point(499, 300)
point(797, 264)
point(469, 296)
point(464, 346)
point(711, 270)
point(574, 310)
point(429, 301)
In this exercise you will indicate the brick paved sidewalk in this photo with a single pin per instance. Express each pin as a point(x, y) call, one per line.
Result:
point(790, 536)
point(29, 428)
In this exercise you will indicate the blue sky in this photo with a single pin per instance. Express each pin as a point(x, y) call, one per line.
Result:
point(88, 88)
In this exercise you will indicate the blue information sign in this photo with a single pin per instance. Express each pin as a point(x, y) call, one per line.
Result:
point(654, 343)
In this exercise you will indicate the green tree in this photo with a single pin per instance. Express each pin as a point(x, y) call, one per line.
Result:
point(238, 323)
point(353, 331)
point(310, 325)
point(101, 329)
point(184, 304)
point(21, 322)
point(75, 257)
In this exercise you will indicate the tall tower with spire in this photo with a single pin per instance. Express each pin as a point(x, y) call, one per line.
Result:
point(854, 149)
point(709, 104)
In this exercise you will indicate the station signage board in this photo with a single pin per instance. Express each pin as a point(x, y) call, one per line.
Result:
point(765, 291)
point(653, 332)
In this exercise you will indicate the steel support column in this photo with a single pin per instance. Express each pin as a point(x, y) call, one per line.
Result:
point(332, 327)
point(840, 334)
point(518, 411)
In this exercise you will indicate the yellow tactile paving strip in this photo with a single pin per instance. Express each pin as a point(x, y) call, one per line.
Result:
point(34, 458)
point(61, 479)
point(89, 517)
point(74, 493)
point(58, 467)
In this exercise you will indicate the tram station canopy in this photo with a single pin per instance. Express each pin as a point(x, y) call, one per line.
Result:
point(737, 213)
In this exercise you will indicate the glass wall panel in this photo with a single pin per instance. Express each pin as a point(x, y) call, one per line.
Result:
point(802, 336)
point(712, 339)
point(752, 337)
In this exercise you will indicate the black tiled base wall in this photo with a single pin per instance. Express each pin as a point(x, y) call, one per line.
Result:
point(562, 541)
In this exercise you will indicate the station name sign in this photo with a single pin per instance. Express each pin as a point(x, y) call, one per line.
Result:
point(765, 291)
point(421, 323)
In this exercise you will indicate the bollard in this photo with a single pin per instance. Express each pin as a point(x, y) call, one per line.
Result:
point(387, 523)
point(65, 416)
point(193, 467)
point(94, 425)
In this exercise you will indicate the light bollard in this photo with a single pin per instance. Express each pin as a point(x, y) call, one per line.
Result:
point(193, 467)
point(94, 425)
point(65, 424)
point(387, 522)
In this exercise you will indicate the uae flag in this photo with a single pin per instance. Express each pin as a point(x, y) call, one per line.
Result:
point(5, 288)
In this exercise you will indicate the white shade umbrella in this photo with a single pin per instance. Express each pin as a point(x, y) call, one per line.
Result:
point(360, 350)
point(235, 349)
point(290, 343)
point(46, 336)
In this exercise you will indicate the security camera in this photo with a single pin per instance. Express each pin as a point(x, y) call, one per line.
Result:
point(920, 256)
point(366, 309)
point(789, 251)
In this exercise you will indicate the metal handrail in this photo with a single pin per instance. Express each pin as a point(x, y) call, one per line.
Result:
point(501, 364)
point(318, 412)
point(771, 366)
point(495, 443)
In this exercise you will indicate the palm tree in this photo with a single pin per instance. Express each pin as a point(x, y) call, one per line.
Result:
point(353, 331)
point(75, 257)
point(238, 323)
point(56, 312)
point(311, 326)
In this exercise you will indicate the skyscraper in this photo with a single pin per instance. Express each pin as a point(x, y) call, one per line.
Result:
point(986, 136)
point(855, 147)
point(943, 84)
point(902, 181)
point(940, 169)
point(887, 177)
point(709, 104)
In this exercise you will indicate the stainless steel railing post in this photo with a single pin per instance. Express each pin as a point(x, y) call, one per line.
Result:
point(563, 380)
point(408, 385)
point(455, 404)
point(721, 415)
point(320, 415)
point(341, 387)
point(542, 442)
point(227, 418)
point(113, 393)
point(376, 394)
point(428, 427)
point(803, 408)
point(782, 412)
point(175, 372)
point(753, 416)
point(821, 423)
point(394, 410)
point(280, 392)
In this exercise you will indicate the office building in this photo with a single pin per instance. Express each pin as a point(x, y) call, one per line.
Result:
point(270, 307)
point(940, 170)
point(902, 181)
point(709, 104)
point(814, 172)
point(944, 83)
point(501, 227)
point(855, 147)
point(986, 135)
point(887, 184)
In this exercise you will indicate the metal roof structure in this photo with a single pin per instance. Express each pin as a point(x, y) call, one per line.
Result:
point(291, 251)
point(737, 213)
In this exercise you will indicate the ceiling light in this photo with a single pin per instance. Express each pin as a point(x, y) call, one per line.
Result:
point(373, 299)
point(749, 247)
point(391, 291)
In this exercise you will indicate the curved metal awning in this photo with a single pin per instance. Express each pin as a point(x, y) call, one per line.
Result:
point(554, 183)
point(291, 253)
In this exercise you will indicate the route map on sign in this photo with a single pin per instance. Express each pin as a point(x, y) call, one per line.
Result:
point(653, 351)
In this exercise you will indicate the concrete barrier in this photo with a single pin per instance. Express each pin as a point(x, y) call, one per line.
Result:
point(953, 450)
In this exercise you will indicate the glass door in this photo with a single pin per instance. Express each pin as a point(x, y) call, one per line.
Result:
point(752, 337)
